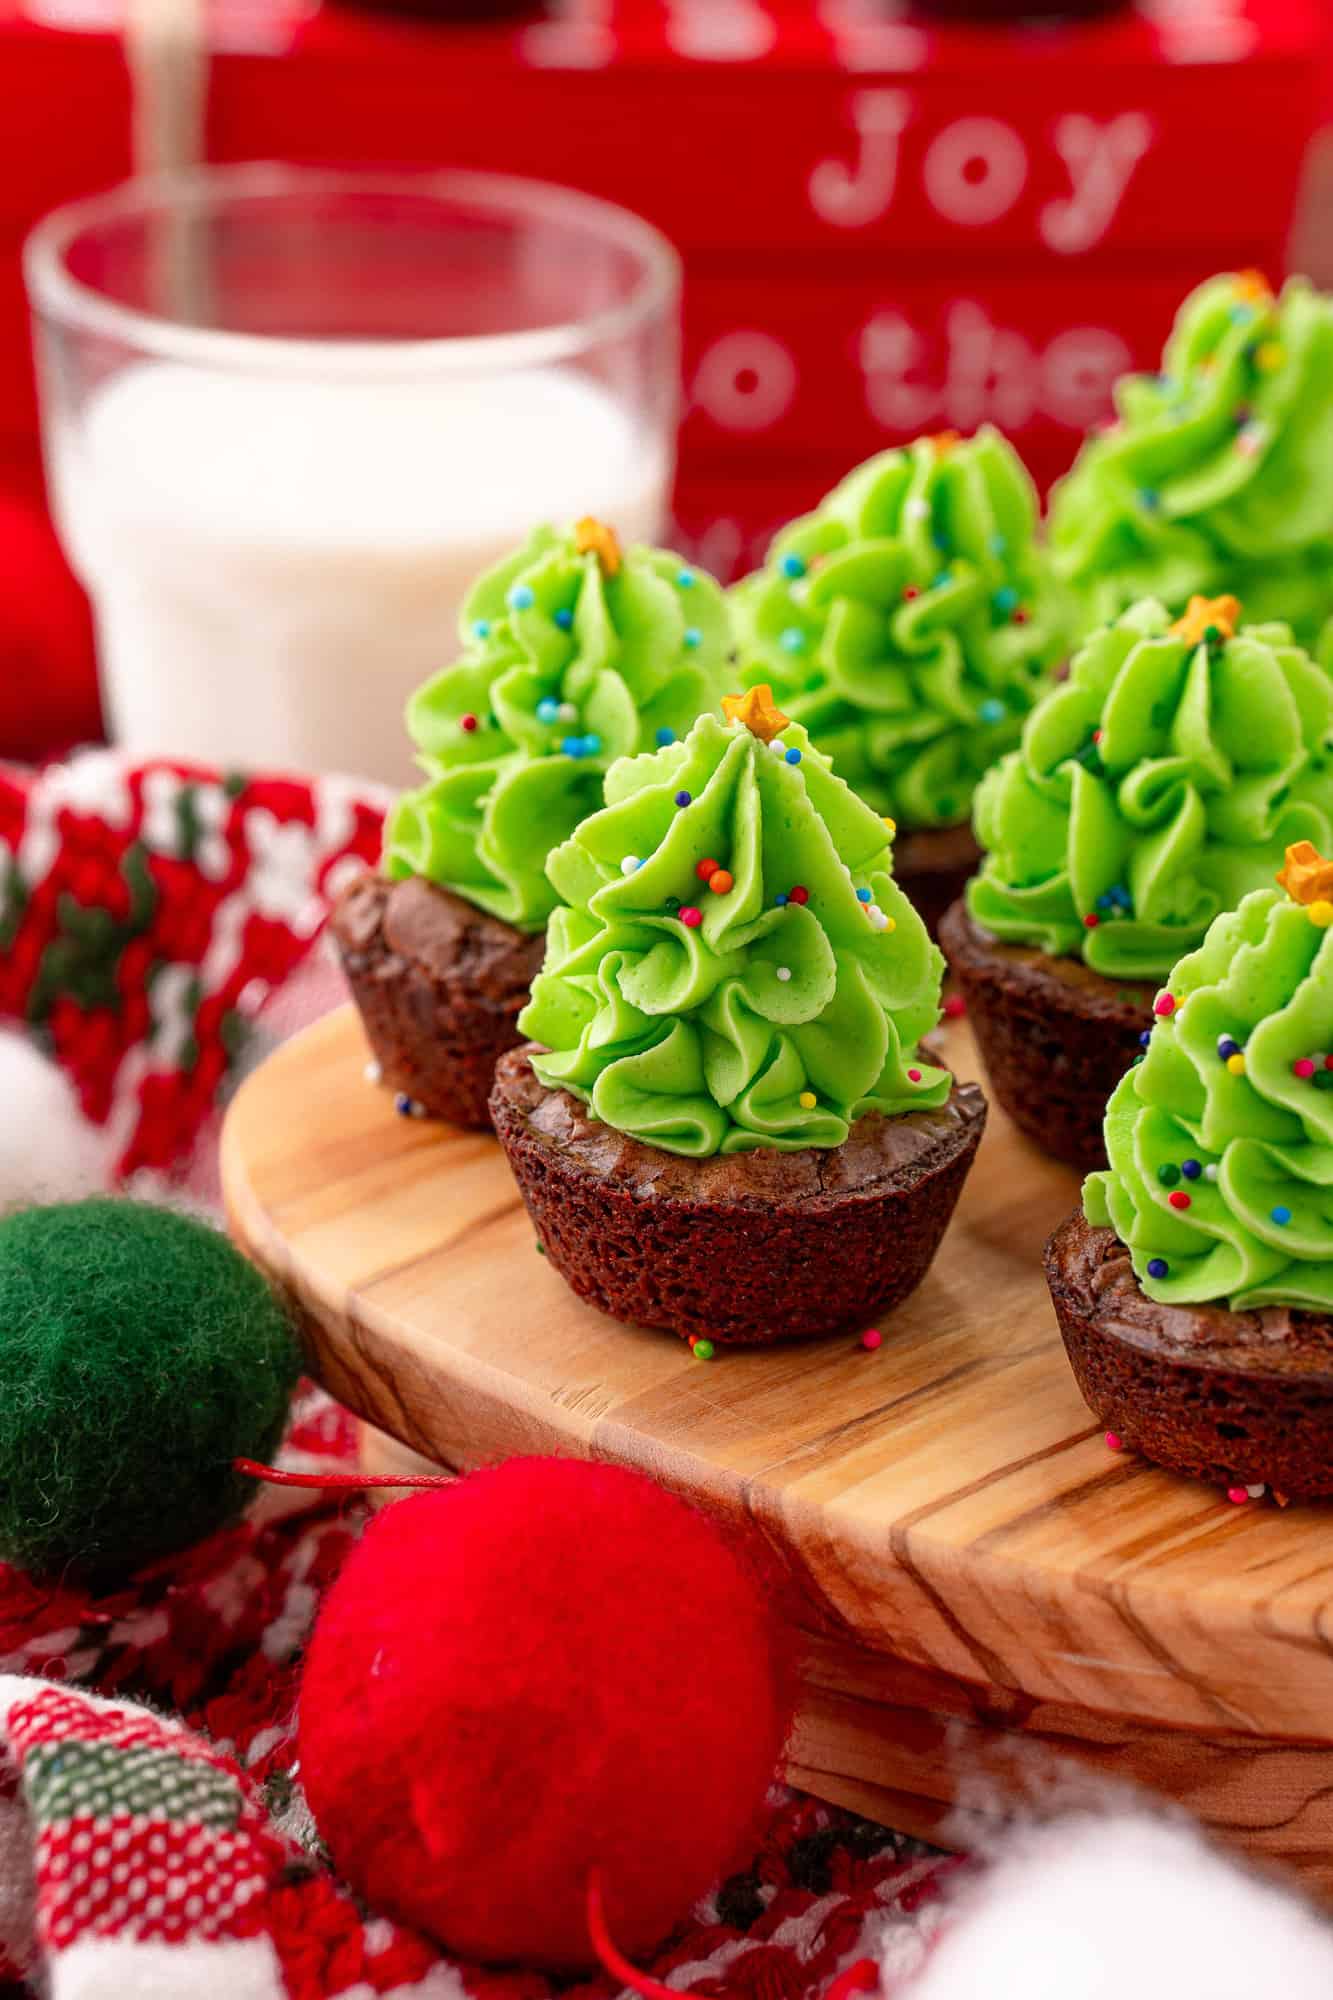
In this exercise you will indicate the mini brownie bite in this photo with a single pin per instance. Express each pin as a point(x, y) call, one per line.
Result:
point(1195, 1289)
point(909, 624)
point(1153, 789)
point(574, 653)
point(725, 1126)
point(1216, 475)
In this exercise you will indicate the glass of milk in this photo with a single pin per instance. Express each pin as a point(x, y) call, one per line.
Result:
point(290, 415)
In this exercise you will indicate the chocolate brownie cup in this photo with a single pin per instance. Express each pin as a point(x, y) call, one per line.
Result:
point(574, 653)
point(1153, 789)
point(1057, 1036)
point(746, 1248)
point(1239, 1399)
point(439, 985)
point(910, 623)
point(1195, 1289)
point(726, 1126)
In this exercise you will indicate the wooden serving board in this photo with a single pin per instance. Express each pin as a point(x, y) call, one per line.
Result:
point(994, 1606)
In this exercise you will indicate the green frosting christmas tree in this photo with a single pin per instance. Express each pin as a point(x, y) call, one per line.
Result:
point(1216, 475)
point(1221, 1139)
point(575, 654)
point(909, 623)
point(1155, 788)
point(736, 967)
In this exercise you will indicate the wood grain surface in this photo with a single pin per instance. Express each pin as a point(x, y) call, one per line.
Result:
point(994, 1606)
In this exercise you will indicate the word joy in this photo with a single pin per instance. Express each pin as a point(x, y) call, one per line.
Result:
point(975, 170)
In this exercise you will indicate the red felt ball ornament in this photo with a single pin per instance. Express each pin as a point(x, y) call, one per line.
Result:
point(549, 1673)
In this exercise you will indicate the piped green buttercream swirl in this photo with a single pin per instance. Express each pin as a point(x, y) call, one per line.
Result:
point(1216, 476)
point(1156, 787)
point(1245, 1147)
point(776, 1020)
point(565, 668)
point(909, 622)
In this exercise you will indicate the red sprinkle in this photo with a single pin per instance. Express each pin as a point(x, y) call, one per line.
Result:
point(1096, 735)
point(954, 1007)
point(914, 1076)
point(691, 917)
point(1237, 1495)
point(1303, 1066)
point(1164, 1004)
point(468, 723)
point(1091, 921)
point(910, 592)
point(1113, 1441)
point(1020, 616)
point(1328, 1062)
point(798, 895)
point(703, 869)
point(873, 1339)
point(1178, 1198)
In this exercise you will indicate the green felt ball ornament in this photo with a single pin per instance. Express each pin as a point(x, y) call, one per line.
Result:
point(140, 1356)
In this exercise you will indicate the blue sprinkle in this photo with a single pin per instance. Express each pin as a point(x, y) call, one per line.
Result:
point(564, 618)
point(1005, 598)
point(682, 798)
point(792, 640)
point(685, 579)
point(402, 1104)
point(548, 709)
point(481, 628)
point(1242, 315)
point(992, 710)
point(572, 746)
point(1226, 1047)
point(1106, 903)
point(521, 597)
point(945, 576)
point(792, 566)
point(1145, 1038)
point(940, 541)
point(1149, 499)
point(1281, 1215)
point(665, 736)
point(1191, 1169)
point(998, 545)
point(793, 755)
point(693, 637)
point(591, 745)
point(781, 902)
point(1120, 896)
point(863, 895)
point(1158, 1267)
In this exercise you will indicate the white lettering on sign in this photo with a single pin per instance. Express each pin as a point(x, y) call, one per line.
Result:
point(1195, 31)
point(975, 170)
point(1100, 159)
point(868, 35)
point(851, 196)
point(746, 381)
point(578, 35)
point(719, 30)
point(983, 373)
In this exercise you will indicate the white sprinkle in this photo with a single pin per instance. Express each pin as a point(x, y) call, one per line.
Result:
point(567, 712)
point(917, 510)
point(373, 1073)
point(1257, 1492)
point(778, 747)
point(784, 973)
point(418, 1109)
point(878, 920)
point(629, 864)
point(1210, 1173)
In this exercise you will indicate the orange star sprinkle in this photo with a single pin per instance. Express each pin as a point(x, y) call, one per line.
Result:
point(1253, 288)
point(1222, 613)
point(757, 710)
point(1306, 876)
point(595, 538)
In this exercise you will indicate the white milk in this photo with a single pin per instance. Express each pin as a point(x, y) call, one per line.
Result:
point(276, 564)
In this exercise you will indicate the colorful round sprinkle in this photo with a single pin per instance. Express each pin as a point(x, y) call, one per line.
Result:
point(1281, 1214)
point(1210, 1172)
point(721, 881)
point(914, 1076)
point(792, 640)
point(807, 1100)
point(1237, 1495)
point(1191, 1169)
point(1168, 1174)
point(685, 579)
point(567, 712)
point(955, 1006)
point(1320, 913)
point(799, 893)
point(591, 745)
point(468, 724)
point(1179, 1199)
point(1164, 1005)
point(781, 901)
point(1091, 921)
point(564, 618)
point(1114, 1441)
point(572, 746)
point(992, 710)
point(1236, 1064)
point(1303, 1066)
point(702, 1350)
point(873, 1339)
point(683, 798)
point(373, 1073)
point(693, 637)
point(548, 709)
point(1158, 1267)
point(629, 864)
point(691, 917)
point(1226, 1047)
point(664, 736)
point(782, 972)
point(792, 565)
point(706, 868)
point(481, 628)
point(793, 755)
point(521, 597)
point(863, 895)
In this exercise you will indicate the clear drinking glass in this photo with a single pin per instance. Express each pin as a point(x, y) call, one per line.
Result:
point(289, 415)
